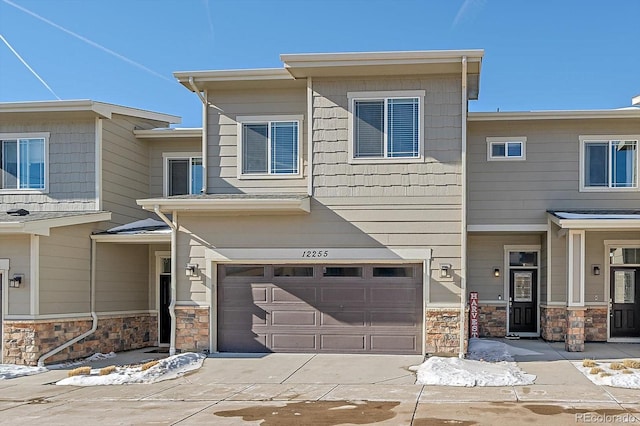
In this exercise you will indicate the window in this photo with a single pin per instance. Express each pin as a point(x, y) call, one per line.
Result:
point(269, 146)
point(24, 162)
point(609, 163)
point(183, 174)
point(385, 126)
point(342, 271)
point(506, 148)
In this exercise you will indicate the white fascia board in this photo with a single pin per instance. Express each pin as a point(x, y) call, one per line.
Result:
point(375, 58)
point(132, 238)
point(554, 115)
point(595, 223)
point(507, 228)
point(169, 133)
point(233, 75)
point(635, 100)
point(228, 205)
point(108, 109)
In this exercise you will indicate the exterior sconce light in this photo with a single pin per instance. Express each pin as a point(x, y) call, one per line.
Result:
point(16, 280)
point(445, 270)
point(496, 272)
point(191, 269)
point(595, 269)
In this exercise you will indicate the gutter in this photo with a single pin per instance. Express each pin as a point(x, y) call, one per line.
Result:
point(94, 316)
point(174, 262)
point(463, 224)
point(205, 121)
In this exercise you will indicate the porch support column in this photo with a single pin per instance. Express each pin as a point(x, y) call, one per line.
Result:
point(574, 337)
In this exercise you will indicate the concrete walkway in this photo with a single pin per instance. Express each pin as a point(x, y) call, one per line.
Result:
point(298, 389)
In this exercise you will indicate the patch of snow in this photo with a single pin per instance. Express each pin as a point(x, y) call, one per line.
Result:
point(166, 369)
point(466, 372)
point(99, 356)
point(11, 371)
point(493, 351)
point(488, 363)
point(565, 215)
point(95, 357)
point(615, 379)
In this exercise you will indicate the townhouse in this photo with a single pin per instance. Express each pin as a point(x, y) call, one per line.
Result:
point(344, 203)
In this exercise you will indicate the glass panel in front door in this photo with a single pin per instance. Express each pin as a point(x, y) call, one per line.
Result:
point(624, 286)
point(523, 283)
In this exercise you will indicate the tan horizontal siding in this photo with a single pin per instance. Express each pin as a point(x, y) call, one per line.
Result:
point(16, 248)
point(549, 178)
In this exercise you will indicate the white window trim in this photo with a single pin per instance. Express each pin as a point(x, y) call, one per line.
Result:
point(166, 156)
point(382, 95)
point(42, 135)
point(262, 119)
point(607, 138)
point(504, 140)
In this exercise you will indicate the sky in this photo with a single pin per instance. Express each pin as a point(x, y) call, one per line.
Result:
point(539, 55)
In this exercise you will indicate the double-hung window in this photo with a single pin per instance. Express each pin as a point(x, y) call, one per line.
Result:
point(506, 148)
point(609, 163)
point(385, 125)
point(269, 146)
point(183, 174)
point(23, 159)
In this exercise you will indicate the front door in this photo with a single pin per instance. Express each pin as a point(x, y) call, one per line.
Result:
point(625, 306)
point(163, 311)
point(523, 291)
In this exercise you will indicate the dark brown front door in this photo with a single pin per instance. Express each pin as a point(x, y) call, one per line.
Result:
point(163, 311)
point(625, 306)
point(523, 300)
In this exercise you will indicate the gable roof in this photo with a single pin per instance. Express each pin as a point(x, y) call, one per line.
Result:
point(62, 108)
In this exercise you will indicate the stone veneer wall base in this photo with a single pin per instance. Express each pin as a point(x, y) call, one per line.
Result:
point(443, 331)
point(25, 341)
point(192, 328)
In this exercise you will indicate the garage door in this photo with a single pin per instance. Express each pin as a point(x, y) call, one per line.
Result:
point(320, 308)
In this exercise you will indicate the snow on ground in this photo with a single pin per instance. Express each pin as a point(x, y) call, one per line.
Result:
point(95, 357)
point(490, 363)
point(166, 369)
point(614, 378)
point(11, 371)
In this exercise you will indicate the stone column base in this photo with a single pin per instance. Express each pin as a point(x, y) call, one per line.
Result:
point(443, 331)
point(574, 339)
point(192, 328)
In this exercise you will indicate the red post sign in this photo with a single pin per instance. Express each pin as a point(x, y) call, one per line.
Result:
point(474, 326)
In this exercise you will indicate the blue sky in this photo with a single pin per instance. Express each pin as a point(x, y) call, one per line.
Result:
point(561, 54)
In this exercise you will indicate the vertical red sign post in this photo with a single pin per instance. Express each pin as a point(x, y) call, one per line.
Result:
point(474, 329)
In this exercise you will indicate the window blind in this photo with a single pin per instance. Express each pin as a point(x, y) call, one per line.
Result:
point(369, 128)
point(254, 148)
point(402, 119)
point(284, 147)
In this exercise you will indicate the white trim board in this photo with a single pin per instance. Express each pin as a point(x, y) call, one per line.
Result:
point(507, 228)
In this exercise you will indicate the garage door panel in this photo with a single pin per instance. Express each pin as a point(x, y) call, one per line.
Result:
point(298, 342)
point(293, 318)
point(293, 295)
point(240, 318)
point(338, 342)
point(395, 296)
point(393, 319)
point(393, 343)
point(343, 295)
point(239, 341)
point(239, 294)
point(352, 318)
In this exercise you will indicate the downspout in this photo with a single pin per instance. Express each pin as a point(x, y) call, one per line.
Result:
point(174, 262)
point(309, 136)
point(94, 326)
point(463, 224)
point(205, 121)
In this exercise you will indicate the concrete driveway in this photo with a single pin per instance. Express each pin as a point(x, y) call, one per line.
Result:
point(304, 389)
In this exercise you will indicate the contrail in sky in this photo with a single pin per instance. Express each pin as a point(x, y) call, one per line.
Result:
point(27, 65)
point(468, 7)
point(89, 42)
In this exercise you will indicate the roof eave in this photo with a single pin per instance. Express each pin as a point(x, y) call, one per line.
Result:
point(276, 205)
point(553, 115)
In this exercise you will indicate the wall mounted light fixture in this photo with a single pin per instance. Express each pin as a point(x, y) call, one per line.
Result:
point(445, 270)
point(496, 272)
point(191, 269)
point(595, 269)
point(16, 280)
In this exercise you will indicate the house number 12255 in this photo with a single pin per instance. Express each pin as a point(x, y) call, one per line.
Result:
point(315, 253)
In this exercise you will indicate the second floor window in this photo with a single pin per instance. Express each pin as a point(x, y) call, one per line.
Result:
point(269, 147)
point(609, 164)
point(386, 125)
point(184, 175)
point(506, 148)
point(23, 162)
